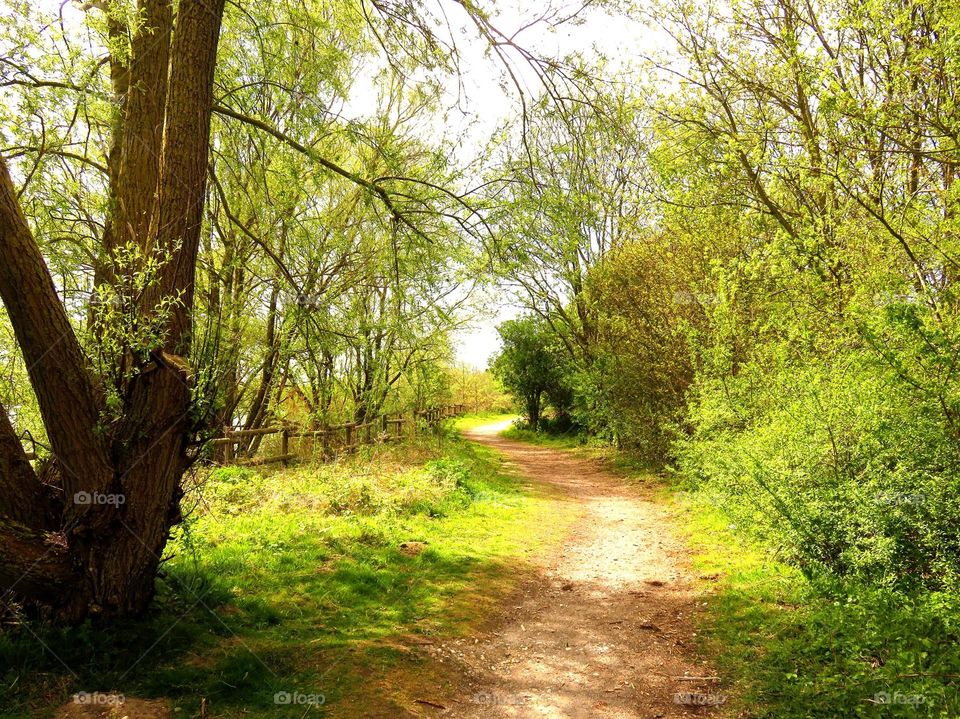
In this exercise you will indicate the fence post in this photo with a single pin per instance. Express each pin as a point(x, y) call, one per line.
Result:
point(284, 444)
point(349, 428)
point(228, 447)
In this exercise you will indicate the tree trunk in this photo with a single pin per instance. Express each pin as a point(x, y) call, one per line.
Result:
point(533, 410)
point(105, 504)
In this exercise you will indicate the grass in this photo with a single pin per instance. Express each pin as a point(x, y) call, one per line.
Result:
point(294, 581)
point(562, 440)
point(799, 647)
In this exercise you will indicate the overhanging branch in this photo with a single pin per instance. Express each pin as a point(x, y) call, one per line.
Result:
point(312, 154)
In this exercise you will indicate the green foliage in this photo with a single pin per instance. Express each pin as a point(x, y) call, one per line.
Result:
point(532, 366)
point(831, 648)
point(121, 334)
point(479, 390)
point(841, 466)
point(650, 298)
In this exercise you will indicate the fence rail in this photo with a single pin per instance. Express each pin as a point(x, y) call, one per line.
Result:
point(334, 440)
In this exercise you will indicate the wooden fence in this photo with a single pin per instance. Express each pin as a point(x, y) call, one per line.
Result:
point(333, 440)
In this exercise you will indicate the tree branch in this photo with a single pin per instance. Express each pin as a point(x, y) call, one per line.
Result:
point(376, 189)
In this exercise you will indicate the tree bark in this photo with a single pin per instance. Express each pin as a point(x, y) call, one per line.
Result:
point(533, 410)
point(70, 403)
point(141, 140)
point(21, 494)
point(103, 559)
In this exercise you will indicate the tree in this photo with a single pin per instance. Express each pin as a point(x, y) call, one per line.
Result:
point(574, 196)
point(478, 390)
point(531, 366)
point(571, 198)
point(85, 534)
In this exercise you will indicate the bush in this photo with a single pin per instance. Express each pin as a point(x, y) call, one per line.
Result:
point(839, 465)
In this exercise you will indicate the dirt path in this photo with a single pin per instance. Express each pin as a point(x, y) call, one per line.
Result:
point(605, 629)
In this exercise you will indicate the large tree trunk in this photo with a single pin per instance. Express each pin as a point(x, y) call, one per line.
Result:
point(86, 539)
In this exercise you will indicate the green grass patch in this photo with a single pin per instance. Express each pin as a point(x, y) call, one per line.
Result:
point(559, 440)
point(797, 647)
point(295, 581)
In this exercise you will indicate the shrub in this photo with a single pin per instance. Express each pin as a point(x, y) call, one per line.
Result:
point(838, 465)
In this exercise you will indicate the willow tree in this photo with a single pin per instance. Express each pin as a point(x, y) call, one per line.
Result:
point(83, 532)
point(85, 535)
